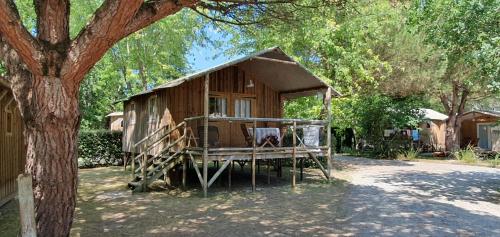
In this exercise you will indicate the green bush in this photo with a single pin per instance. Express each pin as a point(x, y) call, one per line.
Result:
point(99, 148)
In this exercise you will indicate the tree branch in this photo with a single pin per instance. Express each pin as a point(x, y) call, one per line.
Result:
point(102, 32)
point(16, 37)
point(155, 10)
point(52, 20)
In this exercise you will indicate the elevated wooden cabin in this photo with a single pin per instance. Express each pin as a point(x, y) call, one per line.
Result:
point(12, 150)
point(249, 91)
point(481, 129)
point(114, 121)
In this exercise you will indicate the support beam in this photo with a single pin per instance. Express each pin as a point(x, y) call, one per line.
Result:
point(319, 164)
point(222, 168)
point(198, 173)
point(184, 170)
point(328, 101)
point(254, 145)
point(205, 134)
point(302, 169)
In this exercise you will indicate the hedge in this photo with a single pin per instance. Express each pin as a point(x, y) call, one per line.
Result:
point(99, 148)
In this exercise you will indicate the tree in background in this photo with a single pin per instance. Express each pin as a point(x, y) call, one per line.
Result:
point(46, 64)
point(366, 52)
point(468, 35)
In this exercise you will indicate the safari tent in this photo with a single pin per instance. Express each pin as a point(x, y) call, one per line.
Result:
point(480, 128)
point(12, 150)
point(211, 116)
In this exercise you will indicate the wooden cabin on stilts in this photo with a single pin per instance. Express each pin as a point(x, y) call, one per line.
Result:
point(231, 113)
point(12, 149)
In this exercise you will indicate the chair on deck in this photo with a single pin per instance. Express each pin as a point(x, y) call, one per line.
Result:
point(213, 136)
point(246, 134)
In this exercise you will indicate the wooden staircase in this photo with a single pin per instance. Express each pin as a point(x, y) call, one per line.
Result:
point(159, 152)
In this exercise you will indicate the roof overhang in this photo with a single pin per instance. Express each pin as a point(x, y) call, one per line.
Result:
point(271, 67)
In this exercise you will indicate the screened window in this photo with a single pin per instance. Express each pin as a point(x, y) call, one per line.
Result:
point(132, 114)
point(243, 108)
point(152, 109)
point(9, 121)
point(217, 106)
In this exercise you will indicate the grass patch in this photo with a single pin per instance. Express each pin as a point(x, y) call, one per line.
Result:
point(467, 155)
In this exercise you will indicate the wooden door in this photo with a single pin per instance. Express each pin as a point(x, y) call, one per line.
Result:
point(242, 106)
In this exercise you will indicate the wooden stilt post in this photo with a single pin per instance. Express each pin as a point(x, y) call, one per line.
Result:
point(254, 144)
point(133, 164)
point(294, 151)
point(205, 135)
point(229, 171)
point(144, 167)
point(184, 170)
point(183, 158)
point(268, 171)
point(302, 169)
point(328, 101)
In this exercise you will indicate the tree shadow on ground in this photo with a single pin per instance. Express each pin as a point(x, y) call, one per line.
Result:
point(313, 208)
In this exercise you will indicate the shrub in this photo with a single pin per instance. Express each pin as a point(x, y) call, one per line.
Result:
point(99, 148)
point(467, 155)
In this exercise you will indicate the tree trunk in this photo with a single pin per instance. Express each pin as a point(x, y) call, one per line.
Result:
point(51, 117)
point(452, 142)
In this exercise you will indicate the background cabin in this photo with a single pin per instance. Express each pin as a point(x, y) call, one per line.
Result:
point(12, 150)
point(433, 129)
point(115, 121)
point(481, 129)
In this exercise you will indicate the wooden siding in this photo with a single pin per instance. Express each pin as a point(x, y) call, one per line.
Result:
point(186, 100)
point(437, 133)
point(12, 150)
point(468, 130)
point(115, 123)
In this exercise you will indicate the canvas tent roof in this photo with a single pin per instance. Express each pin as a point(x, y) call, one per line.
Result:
point(115, 114)
point(277, 69)
point(431, 114)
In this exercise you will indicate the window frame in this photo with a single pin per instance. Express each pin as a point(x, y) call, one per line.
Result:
point(9, 127)
point(132, 114)
point(152, 109)
point(225, 107)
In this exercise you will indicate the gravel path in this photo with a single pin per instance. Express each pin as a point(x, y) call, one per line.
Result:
point(395, 198)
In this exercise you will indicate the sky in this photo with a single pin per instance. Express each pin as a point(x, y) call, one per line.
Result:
point(206, 56)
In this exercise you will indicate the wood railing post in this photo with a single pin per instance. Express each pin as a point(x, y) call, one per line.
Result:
point(294, 151)
point(205, 135)
point(144, 167)
point(184, 160)
point(133, 163)
point(254, 145)
point(328, 100)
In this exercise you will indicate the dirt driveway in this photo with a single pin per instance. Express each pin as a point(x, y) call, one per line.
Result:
point(368, 198)
point(395, 198)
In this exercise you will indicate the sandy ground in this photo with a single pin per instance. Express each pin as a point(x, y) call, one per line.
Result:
point(368, 198)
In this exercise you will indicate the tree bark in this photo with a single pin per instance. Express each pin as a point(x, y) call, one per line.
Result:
point(51, 118)
point(454, 108)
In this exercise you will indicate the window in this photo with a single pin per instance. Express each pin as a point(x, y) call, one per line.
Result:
point(217, 106)
point(9, 121)
point(131, 115)
point(152, 108)
point(243, 108)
